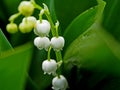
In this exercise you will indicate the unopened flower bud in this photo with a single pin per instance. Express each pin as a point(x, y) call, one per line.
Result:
point(42, 42)
point(49, 66)
point(27, 24)
point(42, 28)
point(12, 28)
point(30, 19)
point(57, 43)
point(25, 27)
point(26, 8)
point(59, 83)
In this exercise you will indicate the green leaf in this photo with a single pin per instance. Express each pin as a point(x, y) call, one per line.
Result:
point(4, 43)
point(13, 68)
point(79, 25)
point(95, 49)
point(83, 22)
point(111, 17)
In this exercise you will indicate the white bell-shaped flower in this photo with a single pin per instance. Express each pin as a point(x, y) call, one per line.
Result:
point(42, 28)
point(49, 66)
point(42, 42)
point(57, 43)
point(59, 83)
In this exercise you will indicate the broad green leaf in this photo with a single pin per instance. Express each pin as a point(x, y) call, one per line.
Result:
point(14, 66)
point(97, 52)
point(99, 46)
point(95, 49)
point(79, 25)
point(112, 17)
point(83, 22)
point(4, 43)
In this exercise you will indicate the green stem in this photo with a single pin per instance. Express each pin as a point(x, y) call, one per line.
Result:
point(14, 16)
point(49, 50)
point(40, 15)
point(47, 15)
point(57, 31)
point(51, 23)
point(58, 58)
point(40, 18)
point(58, 55)
point(36, 5)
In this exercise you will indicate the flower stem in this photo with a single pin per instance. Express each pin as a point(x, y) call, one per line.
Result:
point(36, 5)
point(58, 55)
point(40, 15)
point(59, 59)
point(49, 50)
point(56, 28)
point(14, 16)
point(51, 23)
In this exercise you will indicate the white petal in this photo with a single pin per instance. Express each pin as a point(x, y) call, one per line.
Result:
point(57, 43)
point(43, 28)
point(49, 66)
point(60, 82)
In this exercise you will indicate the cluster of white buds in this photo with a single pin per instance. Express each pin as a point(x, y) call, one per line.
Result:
point(27, 24)
point(42, 28)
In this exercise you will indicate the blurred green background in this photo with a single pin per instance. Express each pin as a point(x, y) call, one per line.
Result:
point(91, 54)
